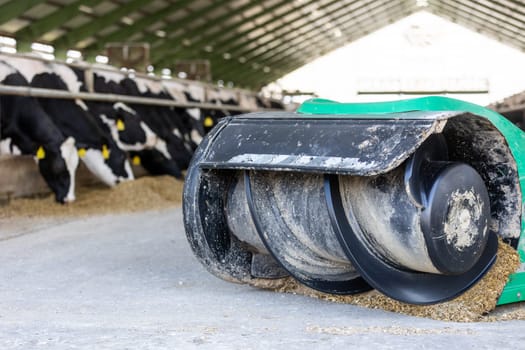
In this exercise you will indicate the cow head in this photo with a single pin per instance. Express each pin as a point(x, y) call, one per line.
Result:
point(178, 152)
point(131, 128)
point(58, 166)
point(109, 163)
point(196, 124)
point(126, 127)
point(118, 162)
point(156, 163)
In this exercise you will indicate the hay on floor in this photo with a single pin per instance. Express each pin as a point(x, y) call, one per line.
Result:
point(474, 305)
point(145, 193)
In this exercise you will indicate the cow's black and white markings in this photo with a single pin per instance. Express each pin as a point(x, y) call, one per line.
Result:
point(156, 163)
point(97, 149)
point(161, 138)
point(131, 127)
point(27, 129)
point(8, 147)
point(194, 127)
point(162, 121)
point(219, 97)
point(121, 121)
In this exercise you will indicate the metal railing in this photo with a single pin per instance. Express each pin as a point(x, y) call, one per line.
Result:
point(114, 98)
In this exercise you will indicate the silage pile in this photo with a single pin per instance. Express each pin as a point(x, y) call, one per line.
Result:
point(474, 305)
point(145, 193)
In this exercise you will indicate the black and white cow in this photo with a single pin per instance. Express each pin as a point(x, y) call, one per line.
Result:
point(193, 117)
point(221, 97)
point(97, 149)
point(122, 122)
point(269, 103)
point(248, 101)
point(162, 120)
point(27, 129)
point(128, 125)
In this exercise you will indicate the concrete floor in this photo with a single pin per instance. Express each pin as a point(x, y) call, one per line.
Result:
point(131, 281)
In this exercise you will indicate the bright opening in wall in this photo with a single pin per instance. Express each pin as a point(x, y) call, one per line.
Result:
point(7, 49)
point(7, 44)
point(150, 70)
point(7, 41)
point(101, 59)
point(43, 50)
point(166, 73)
point(73, 55)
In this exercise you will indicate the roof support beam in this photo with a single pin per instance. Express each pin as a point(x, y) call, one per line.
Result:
point(308, 40)
point(44, 25)
point(218, 62)
point(475, 8)
point(269, 78)
point(349, 30)
point(482, 29)
point(126, 32)
point(504, 13)
point(220, 65)
point(516, 7)
point(197, 33)
point(13, 9)
point(477, 23)
point(289, 60)
point(225, 44)
point(70, 39)
point(168, 49)
point(155, 41)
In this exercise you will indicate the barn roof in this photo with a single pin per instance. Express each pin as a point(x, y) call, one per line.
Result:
point(248, 42)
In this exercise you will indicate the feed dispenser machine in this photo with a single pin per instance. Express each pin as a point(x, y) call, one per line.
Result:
point(407, 197)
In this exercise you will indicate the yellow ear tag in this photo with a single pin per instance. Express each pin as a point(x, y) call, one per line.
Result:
point(208, 122)
point(135, 160)
point(40, 153)
point(120, 125)
point(105, 152)
point(81, 152)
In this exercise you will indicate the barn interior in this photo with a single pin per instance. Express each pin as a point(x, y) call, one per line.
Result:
point(97, 253)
